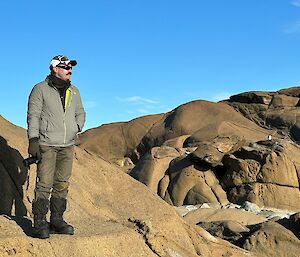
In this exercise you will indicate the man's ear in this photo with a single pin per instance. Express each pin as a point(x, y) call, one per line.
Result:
point(54, 70)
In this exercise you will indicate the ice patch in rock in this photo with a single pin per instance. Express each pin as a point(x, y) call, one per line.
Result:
point(251, 207)
point(271, 213)
point(230, 206)
point(191, 207)
point(205, 206)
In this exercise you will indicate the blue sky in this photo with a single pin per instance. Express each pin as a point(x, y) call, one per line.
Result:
point(144, 57)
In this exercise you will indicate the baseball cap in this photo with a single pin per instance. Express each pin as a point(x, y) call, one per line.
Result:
point(62, 59)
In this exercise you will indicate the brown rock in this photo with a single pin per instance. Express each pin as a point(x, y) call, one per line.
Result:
point(117, 140)
point(292, 223)
point(281, 113)
point(217, 214)
point(259, 97)
point(177, 142)
point(212, 153)
point(279, 169)
point(163, 186)
point(195, 119)
point(268, 195)
point(106, 207)
point(292, 91)
point(281, 100)
point(254, 173)
point(152, 167)
point(239, 171)
point(273, 240)
point(191, 184)
point(231, 231)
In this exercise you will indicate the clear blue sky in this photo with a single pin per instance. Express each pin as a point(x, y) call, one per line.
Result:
point(145, 57)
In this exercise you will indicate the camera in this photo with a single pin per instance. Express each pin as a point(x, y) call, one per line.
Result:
point(30, 160)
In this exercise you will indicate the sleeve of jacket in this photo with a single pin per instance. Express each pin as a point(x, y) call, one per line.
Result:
point(79, 113)
point(35, 106)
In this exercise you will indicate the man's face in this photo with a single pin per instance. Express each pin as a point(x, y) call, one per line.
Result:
point(63, 71)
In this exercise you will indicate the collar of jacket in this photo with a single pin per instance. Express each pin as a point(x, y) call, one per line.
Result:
point(51, 84)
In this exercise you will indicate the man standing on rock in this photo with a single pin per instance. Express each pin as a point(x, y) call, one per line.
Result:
point(55, 115)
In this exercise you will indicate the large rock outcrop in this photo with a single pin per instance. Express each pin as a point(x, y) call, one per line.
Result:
point(271, 239)
point(278, 110)
point(152, 167)
point(188, 124)
point(203, 121)
point(115, 141)
point(263, 173)
point(193, 184)
point(113, 214)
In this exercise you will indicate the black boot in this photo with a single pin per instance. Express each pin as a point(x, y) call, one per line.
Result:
point(40, 208)
point(57, 223)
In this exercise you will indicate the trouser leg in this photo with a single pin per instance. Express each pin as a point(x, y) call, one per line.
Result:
point(44, 183)
point(58, 201)
point(45, 172)
point(63, 170)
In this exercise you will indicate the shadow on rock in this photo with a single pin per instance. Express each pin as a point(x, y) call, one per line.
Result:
point(13, 175)
point(24, 223)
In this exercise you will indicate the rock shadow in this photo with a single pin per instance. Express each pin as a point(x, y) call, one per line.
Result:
point(13, 175)
point(24, 223)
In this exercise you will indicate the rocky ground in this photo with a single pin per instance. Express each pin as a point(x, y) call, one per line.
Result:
point(205, 179)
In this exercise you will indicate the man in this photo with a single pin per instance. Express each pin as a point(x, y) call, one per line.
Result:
point(55, 116)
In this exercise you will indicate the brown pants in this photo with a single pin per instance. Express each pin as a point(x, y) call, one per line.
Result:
point(54, 172)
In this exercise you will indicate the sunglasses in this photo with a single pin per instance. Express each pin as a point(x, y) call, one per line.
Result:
point(65, 67)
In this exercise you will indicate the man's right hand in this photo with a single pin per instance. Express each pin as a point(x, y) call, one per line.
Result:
point(34, 148)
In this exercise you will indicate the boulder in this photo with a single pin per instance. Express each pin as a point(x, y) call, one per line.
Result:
point(259, 97)
point(239, 171)
point(268, 195)
point(113, 214)
point(272, 110)
point(272, 240)
point(223, 214)
point(292, 223)
point(117, 140)
point(231, 231)
point(204, 121)
point(192, 184)
point(212, 153)
point(177, 142)
point(281, 100)
point(153, 166)
point(254, 173)
point(292, 91)
point(252, 111)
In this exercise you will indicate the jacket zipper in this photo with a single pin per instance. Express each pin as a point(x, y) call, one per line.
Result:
point(65, 137)
point(67, 102)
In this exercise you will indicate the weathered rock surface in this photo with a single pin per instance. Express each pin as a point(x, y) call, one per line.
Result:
point(203, 121)
point(113, 214)
point(177, 142)
point(249, 226)
point(271, 239)
point(259, 172)
point(232, 231)
point(223, 214)
point(292, 223)
point(212, 153)
point(279, 110)
point(200, 152)
point(153, 166)
point(192, 184)
point(117, 140)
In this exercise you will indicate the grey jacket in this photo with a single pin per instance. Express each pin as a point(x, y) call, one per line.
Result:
point(46, 118)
